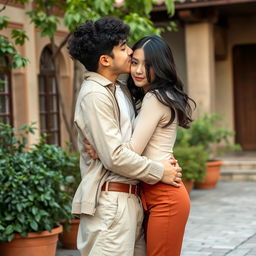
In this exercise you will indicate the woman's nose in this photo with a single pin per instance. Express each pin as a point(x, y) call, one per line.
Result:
point(139, 69)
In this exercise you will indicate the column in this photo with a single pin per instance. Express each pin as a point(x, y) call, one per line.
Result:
point(200, 65)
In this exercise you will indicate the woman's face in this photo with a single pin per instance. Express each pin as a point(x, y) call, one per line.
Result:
point(138, 70)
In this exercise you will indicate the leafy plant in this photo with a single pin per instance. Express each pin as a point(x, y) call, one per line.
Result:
point(72, 173)
point(192, 159)
point(7, 48)
point(32, 184)
point(208, 132)
point(73, 177)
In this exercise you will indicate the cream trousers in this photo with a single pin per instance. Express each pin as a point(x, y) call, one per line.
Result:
point(115, 229)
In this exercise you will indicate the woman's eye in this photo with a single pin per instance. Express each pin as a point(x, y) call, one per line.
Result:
point(133, 62)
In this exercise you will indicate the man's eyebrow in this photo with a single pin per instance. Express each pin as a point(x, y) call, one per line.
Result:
point(123, 43)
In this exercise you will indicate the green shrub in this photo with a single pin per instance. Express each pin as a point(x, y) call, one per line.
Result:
point(192, 159)
point(208, 132)
point(32, 195)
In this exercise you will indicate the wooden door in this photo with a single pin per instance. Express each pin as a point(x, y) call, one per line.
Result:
point(244, 60)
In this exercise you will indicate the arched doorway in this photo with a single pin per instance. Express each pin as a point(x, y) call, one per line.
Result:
point(48, 98)
point(244, 61)
point(6, 115)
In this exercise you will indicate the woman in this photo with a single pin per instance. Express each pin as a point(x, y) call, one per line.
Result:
point(165, 105)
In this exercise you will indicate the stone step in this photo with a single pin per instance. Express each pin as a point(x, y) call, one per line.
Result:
point(238, 165)
point(238, 175)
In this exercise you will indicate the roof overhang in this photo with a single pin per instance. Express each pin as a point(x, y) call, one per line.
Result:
point(202, 3)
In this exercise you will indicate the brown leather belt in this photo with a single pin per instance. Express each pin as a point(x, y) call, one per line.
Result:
point(120, 187)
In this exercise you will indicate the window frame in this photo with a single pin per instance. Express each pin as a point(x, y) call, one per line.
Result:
point(5, 70)
point(46, 76)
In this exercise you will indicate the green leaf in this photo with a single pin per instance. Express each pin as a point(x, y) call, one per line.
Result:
point(18, 228)
point(9, 217)
point(31, 197)
point(34, 225)
point(20, 36)
point(19, 207)
point(10, 237)
point(3, 22)
point(37, 218)
point(170, 7)
point(21, 218)
point(148, 6)
point(34, 210)
point(9, 229)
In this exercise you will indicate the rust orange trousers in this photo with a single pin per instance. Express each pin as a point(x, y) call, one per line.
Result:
point(167, 209)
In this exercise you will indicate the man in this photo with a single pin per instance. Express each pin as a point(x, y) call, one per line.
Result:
point(107, 199)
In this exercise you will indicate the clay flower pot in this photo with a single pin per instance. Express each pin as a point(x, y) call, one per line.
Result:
point(35, 244)
point(69, 238)
point(212, 176)
point(188, 185)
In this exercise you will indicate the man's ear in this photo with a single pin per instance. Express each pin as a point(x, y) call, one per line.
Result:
point(104, 60)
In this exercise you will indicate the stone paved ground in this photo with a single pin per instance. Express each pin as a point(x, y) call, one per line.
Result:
point(222, 222)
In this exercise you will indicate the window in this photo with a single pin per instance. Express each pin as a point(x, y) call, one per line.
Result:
point(5, 93)
point(48, 99)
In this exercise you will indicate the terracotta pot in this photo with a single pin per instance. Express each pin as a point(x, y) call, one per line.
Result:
point(68, 238)
point(212, 176)
point(35, 244)
point(188, 185)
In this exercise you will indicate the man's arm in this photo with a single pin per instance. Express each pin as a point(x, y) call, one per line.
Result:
point(98, 124)
point(93, 154)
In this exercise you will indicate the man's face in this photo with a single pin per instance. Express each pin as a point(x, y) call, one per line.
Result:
point(121, 63)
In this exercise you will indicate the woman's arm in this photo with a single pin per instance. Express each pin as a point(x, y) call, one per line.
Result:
point(149, 116)
point(146, 123)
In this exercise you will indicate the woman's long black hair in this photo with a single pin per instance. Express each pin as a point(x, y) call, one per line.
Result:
point(167, 86)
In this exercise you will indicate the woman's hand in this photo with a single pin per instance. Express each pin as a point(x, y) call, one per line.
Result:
point(176, 164)
point(90, 150)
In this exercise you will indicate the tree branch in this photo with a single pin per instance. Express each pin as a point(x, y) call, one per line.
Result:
point(3, 8)
point(61, 101)
point(61, 45)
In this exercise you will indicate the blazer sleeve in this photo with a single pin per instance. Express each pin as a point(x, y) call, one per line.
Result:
point(99, 125)
point(150, 115)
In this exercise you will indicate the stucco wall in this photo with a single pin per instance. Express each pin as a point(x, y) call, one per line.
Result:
point(176, 41)
point(25, 80)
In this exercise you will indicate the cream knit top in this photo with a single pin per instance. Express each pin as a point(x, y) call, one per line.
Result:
point(149, 138)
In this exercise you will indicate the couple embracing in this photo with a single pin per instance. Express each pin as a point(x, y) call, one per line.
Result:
point(131, 188)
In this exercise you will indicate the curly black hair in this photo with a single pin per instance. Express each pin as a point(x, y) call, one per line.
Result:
point(93, 39)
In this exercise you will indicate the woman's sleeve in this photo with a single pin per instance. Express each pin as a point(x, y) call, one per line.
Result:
point(149, 116)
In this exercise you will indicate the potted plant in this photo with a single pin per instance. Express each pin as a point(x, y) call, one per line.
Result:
point(72, 174)
point(192, 159)
point(208, 132)
point(32, 199)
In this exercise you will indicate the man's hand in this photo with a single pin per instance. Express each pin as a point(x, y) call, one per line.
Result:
point(90, 150)
point(172, 173)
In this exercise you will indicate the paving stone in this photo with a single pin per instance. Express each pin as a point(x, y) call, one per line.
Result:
point(215, 250)
point(238, 252)
point(61, 252)
point(219, 254)
point(223, 219)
